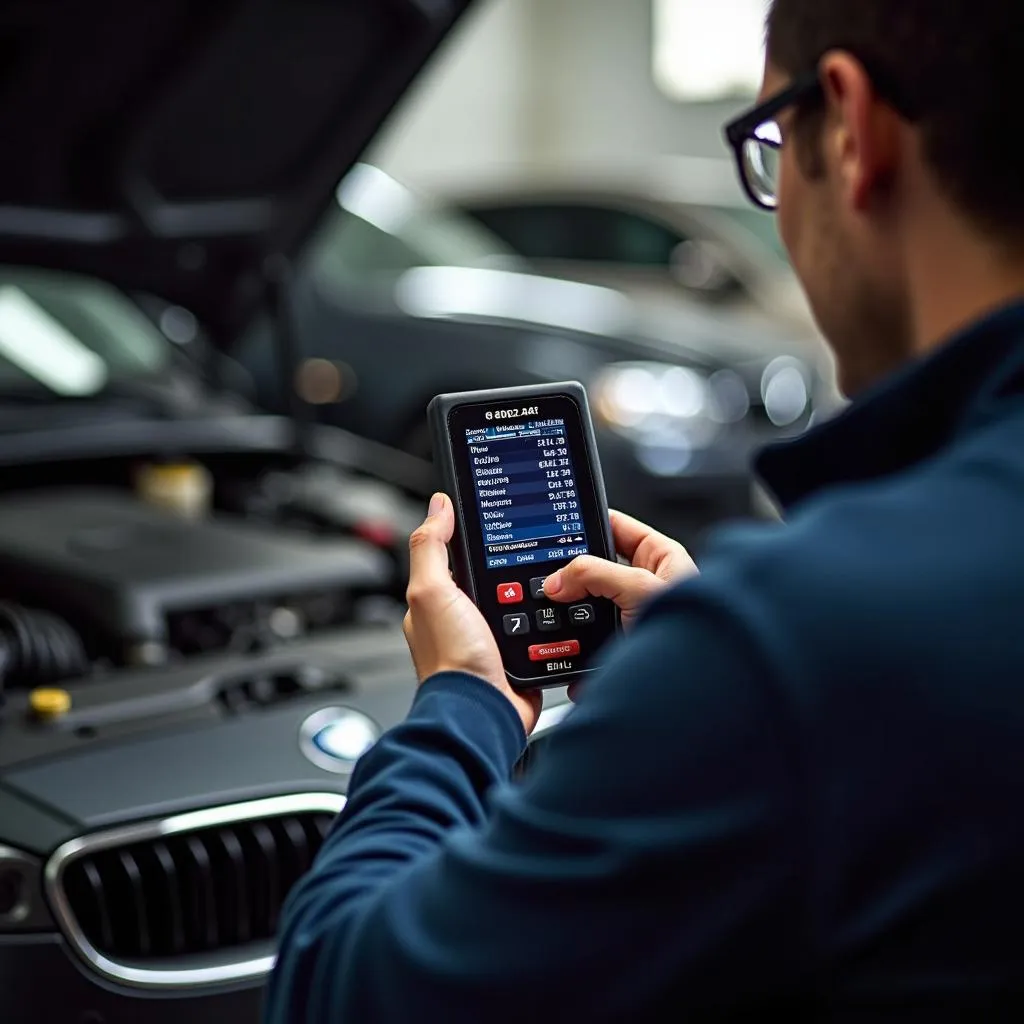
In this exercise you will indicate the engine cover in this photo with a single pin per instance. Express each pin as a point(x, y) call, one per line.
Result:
point(124, 571)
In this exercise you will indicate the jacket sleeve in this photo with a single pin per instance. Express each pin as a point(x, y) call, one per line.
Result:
point(656, 853)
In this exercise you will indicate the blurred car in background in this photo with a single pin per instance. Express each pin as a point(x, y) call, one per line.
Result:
point(400, 298)
point(656, 249)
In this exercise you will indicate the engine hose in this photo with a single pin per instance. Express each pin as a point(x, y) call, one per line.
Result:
point(38, 647)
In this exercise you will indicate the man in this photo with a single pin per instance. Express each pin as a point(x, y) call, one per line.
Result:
point(798, 783)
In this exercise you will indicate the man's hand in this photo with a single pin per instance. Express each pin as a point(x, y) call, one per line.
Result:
point(444, 629)
point(655, 562)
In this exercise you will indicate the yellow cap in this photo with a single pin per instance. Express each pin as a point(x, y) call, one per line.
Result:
point(173, 471)
point(49, 702)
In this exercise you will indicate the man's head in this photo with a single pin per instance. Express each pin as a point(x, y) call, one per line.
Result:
point(911, 138)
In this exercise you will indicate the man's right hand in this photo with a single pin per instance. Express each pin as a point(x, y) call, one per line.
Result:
point(655, 563)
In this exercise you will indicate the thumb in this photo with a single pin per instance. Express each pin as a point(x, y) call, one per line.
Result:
point(428, 552)
point(588, 576)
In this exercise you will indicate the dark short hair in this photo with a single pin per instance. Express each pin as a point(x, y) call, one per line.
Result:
point(953, 66)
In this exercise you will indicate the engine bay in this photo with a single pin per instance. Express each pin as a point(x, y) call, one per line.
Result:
point(140, 585)
point(127, 588)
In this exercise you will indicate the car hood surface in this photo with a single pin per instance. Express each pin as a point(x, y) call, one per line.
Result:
point(187, 148)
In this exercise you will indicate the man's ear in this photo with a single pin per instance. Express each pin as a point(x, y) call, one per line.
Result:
point(862, 131)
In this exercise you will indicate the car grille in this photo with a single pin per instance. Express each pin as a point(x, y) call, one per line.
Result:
point(190, 900)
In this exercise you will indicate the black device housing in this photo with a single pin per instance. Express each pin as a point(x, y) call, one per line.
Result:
point(468, 560)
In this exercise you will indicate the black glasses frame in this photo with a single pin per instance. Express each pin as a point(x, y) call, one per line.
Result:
point(741, 131)
point(807, 87)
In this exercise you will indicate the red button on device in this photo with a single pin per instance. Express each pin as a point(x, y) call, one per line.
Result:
point(510, 593)
point(548, 652)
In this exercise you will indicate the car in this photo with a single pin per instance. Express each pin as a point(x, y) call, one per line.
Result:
point(651, 243)
point(199, 600)
point(400, 298)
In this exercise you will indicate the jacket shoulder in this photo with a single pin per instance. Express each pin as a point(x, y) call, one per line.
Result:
point(862, 576)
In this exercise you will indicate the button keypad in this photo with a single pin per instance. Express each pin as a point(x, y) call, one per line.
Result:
point(548, 619)
point(545, 617)
point(517, 624)
point(581, 614)
point(510, 593)
point(558, 649)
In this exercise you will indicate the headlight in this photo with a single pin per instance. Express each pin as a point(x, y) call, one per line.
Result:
point(785, 391)
point(639, 398)
point(669, 412)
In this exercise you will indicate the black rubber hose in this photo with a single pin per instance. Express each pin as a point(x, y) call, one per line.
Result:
point(38, 647)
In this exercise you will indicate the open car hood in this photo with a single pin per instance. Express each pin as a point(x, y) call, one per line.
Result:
point(187, 147)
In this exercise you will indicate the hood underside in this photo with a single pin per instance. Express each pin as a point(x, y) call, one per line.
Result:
point(188, 147)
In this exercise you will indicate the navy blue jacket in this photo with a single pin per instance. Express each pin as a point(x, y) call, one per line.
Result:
point(797, 785)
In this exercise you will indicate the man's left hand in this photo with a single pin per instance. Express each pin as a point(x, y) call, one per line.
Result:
point(444, 629)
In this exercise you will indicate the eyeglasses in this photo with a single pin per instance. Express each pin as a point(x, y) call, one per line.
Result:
point(756, 139)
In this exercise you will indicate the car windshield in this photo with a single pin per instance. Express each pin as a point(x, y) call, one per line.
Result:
point(384, 229)
point(62, 335)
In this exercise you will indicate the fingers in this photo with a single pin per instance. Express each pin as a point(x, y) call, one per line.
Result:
point(427, 546)
point(588, 576)
point(650, 550)
point(629, 534)
point(428, 552)
point(410, 639)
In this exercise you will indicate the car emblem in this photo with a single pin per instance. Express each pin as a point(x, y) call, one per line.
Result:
point(335, 738)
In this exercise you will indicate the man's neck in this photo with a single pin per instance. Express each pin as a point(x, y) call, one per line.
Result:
point(956, 280)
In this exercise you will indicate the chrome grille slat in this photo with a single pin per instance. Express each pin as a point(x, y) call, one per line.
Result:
point(313, 837)
point(92, 878)
point(298, 847)
point(267, 896)
point(233, 902)
point(135, 925)
point(204, 902)
point(175, 927)
point(190, 900)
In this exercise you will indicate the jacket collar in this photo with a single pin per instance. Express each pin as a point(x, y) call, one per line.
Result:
point(910, 416)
